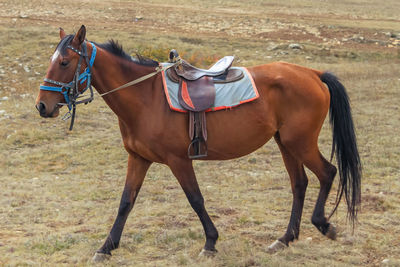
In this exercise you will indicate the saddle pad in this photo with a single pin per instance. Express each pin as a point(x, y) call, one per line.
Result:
point(228, 95)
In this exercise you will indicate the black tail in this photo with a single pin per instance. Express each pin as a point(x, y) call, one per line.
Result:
point(345, 145)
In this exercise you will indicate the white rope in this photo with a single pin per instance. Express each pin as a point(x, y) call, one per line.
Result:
point(141, 79)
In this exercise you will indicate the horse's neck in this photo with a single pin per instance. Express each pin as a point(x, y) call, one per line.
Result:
point(110, 72)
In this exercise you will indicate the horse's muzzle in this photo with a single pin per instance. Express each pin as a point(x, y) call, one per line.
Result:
point(41, 107)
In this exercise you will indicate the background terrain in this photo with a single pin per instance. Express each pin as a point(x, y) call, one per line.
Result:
point(60, 190)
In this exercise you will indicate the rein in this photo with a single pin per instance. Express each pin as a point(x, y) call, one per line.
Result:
point(70, 90)
point(141, 79)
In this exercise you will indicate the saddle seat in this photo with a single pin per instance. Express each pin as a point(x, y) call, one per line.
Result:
point(193, 73)
point(220, 71)
point(229, 76)
point(197, 94)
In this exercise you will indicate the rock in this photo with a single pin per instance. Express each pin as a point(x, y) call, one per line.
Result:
point(391, 34)
point(272, 47)
point(252, 160)
point(137, 18)
point(295, 46)
point(282, 53)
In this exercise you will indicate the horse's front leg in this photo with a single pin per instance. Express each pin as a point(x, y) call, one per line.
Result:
point(137, 169)
point(183, 171)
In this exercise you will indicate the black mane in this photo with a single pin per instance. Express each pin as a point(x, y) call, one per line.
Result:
point(116, 49)
point(111, 46)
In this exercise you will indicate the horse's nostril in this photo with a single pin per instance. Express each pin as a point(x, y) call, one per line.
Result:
point(41, 107)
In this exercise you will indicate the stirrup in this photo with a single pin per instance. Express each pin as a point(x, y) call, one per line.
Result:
point(197, 149)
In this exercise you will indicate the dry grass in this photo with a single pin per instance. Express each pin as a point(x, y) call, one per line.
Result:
point(60, 190)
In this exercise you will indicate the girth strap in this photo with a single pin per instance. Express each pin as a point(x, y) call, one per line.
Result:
point(198, 135)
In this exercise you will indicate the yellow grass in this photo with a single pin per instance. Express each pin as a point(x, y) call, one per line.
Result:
point(60, 190)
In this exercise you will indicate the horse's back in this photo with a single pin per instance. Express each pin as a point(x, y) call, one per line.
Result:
point(288, 79)
point(291, 89)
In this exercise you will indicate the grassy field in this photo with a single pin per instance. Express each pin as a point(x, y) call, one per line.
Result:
point(60, 190)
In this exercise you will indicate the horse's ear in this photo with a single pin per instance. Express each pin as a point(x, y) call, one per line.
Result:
point(62, 33)
point(79, 36)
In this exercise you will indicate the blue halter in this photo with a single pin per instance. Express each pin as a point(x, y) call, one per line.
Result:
point(70, 90)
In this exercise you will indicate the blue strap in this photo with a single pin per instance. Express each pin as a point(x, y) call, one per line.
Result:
point(93, 54)
point(85, 75)
point(51, 88)
point(57, 89)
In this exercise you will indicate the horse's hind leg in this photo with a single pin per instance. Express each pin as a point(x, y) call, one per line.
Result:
point(304, 148)
point(183, 171)
point(299, 181)
point(326, 173)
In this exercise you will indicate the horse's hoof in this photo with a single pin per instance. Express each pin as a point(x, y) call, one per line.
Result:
point(207, 253)
point(99, 257)
point(276, 246)
point(331, 233)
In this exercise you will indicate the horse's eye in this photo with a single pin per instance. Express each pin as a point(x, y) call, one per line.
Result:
point(64, 63)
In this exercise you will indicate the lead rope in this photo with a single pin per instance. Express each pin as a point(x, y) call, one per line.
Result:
point(158, 70)
point(141, 79)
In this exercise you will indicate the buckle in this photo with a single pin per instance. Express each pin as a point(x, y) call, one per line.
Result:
point(66, 116)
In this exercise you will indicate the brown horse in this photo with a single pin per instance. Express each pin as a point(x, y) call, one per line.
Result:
point(292, 107)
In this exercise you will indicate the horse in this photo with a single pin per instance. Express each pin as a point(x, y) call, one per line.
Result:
point(292, 106)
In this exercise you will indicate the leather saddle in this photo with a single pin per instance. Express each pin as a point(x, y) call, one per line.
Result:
point(197, 94)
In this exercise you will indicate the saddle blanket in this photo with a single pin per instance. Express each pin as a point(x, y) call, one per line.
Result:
point(228, 95)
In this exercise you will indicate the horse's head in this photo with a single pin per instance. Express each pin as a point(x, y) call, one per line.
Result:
point(66, 76)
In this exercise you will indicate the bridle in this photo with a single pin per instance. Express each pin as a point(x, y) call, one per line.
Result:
point(70, 90)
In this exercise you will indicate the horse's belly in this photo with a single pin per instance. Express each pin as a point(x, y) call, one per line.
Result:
point(232, 134)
